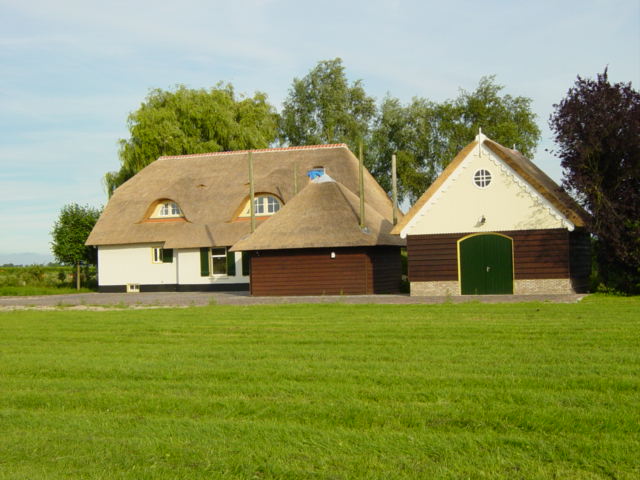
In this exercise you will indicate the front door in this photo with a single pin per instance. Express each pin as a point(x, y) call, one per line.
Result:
point(486, 264)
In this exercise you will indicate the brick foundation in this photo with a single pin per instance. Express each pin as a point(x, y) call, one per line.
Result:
point(543, 286)
point(434, 289)
point(556, 286)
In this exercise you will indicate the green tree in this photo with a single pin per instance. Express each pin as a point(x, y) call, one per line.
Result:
point(507, 120)
point(426, 135)
point(323, 107)
point(70, 232)
point(597, 129)
point(188, 121)
point(410, 133)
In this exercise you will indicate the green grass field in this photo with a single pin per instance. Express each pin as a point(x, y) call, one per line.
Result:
point(25, 291)
point(323, 391)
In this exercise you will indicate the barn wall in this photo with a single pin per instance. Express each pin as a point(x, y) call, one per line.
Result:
point(545, 261)
point(580, 259)
point(387, 269)
point(314, 272)
point(536, 253)
point(540, 254)
point(433, 258)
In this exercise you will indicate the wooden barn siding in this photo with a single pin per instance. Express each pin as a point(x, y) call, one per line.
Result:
point(537, 254)
point(314, 272)
point(387, 269)
point(580, 259)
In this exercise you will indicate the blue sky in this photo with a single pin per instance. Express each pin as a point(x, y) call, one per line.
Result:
point(71, 71)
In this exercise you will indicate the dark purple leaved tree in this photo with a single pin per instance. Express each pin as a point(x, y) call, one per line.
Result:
point(597, 130)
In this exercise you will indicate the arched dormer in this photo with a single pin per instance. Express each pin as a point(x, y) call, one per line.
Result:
point(164, 210)
point(265, 204)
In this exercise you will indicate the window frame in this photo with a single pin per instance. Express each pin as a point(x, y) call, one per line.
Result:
point(482, 178)
point(206, 262)
point(167, 209)
point(223, 256)
point(159, 255)
point(262, 206)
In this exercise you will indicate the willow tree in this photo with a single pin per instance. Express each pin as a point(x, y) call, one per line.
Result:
point(186, 121)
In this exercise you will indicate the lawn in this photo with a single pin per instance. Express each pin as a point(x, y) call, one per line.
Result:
point(24, 291)
point(323, 391)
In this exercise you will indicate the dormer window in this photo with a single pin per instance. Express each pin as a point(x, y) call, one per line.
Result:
point(166, 209)
point(263, 205)
point(170, 209)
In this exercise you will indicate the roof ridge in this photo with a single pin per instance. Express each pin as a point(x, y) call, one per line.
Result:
point(257, 150)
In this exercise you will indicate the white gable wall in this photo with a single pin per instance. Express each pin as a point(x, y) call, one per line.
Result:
point(507, 203)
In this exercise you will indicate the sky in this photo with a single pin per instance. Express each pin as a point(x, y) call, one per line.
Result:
point(72, 71)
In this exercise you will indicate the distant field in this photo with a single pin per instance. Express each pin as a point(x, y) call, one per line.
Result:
point(512, 391)
point(43, 280)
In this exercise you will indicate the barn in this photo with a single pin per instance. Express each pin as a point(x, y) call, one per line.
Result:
point(494, 223)
point(318, 245)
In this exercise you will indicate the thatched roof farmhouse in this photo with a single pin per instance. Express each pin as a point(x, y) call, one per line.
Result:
point(182, 223)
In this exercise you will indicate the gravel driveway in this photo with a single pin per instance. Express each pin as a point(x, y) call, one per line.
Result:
point(100, 301)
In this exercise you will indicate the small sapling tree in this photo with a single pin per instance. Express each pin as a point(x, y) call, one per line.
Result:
point(70, 232)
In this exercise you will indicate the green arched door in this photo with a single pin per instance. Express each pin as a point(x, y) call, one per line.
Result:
point(486, 264)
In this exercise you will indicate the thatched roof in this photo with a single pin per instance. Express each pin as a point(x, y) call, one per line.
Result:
point(524, 167)
point(324, 214)
point(211, 188)
point(539, 180)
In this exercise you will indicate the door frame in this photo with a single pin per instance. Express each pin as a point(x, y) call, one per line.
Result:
point(462, 239)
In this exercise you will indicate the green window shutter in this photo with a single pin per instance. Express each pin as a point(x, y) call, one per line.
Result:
point(231, 263)
point(246, 263)
point(167, 255)
point(204, 262)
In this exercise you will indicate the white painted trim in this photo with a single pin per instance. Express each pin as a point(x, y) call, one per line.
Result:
point(535, 194)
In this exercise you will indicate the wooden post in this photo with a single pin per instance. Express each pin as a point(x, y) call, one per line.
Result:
point(77, 275)
point(251, 194)
point(362, 223)
point(394, 189)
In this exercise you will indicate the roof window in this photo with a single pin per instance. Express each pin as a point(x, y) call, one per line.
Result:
point(167, 209)
point(315, 172)
point(263, 205)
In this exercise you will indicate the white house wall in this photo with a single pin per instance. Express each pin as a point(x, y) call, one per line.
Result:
point(123, 264)
point(507, 203)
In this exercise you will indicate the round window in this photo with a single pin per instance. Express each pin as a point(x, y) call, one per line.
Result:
point(482, 178)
